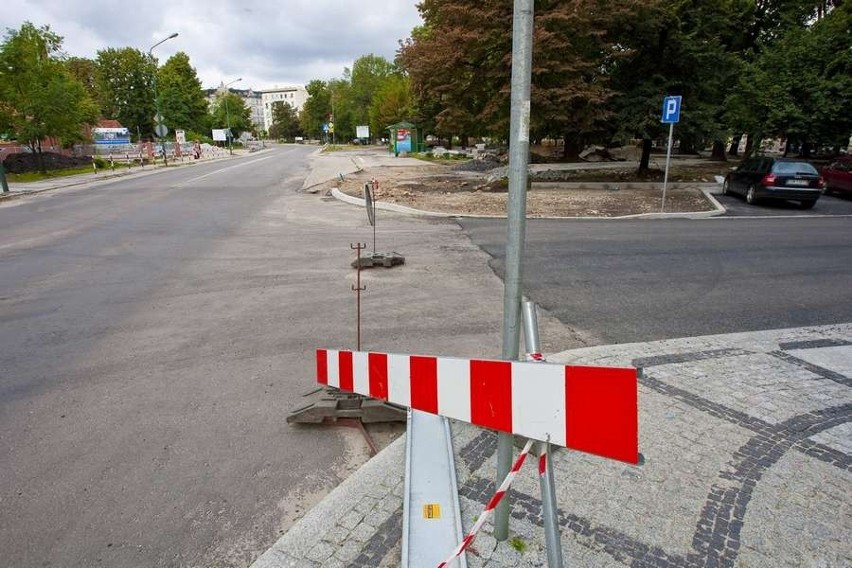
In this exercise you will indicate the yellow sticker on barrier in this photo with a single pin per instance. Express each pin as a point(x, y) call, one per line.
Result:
point(431, 511)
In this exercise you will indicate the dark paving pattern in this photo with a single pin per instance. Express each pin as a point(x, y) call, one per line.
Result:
point(716, 540)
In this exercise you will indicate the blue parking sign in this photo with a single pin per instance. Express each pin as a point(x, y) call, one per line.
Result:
point(671, 110)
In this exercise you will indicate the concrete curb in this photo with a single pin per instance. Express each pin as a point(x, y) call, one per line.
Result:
point(385, 469)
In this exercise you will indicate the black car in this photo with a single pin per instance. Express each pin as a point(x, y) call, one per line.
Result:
point(775, 178)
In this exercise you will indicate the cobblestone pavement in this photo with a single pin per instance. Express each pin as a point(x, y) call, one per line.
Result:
point(746, 439)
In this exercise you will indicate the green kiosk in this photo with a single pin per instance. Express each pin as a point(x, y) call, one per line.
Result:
point(405, 138)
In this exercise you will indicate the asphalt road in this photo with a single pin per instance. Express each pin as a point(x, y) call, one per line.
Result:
point(736, 206)
point(642, 280)
point(156, 331)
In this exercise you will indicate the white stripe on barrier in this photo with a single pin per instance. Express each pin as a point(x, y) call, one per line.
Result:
point(333, 368)
point(360, 372)
point(454, 388)
point(542, 418)
point(399, 383)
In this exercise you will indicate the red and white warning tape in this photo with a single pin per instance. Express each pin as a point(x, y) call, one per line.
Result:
point(498, 496)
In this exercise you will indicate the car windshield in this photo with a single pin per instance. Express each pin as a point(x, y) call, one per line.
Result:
point(793, 168)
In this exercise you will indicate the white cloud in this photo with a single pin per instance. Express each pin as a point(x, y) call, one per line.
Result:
point(266, 43)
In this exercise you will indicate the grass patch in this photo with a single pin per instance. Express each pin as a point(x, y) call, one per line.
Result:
point(28, 177)
point(518, 544)
point(38, 176)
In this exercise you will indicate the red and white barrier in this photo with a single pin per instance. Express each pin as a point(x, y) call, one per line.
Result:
point(590, 409)
point(492, 504)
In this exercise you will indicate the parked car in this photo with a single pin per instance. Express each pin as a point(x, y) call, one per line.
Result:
point(775, 178)
point(838, 176)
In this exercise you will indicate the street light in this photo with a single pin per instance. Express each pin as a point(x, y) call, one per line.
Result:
point(228, 115)
point(159, 118)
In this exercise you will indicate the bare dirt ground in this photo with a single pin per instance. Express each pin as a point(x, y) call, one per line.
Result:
point(449, 188)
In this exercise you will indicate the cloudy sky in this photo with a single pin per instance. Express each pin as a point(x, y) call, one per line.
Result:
point(276, 42)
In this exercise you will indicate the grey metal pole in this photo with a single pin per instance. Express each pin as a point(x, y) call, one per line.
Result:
point(228, 125)
point(157, 96)
point(228, 116)
point(519, 144)
point(546, 483)
point(668, 161)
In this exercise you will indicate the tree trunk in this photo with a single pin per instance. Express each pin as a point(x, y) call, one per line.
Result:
point(41, 167)
point(570, 148)
point(646, 155)
point(734, 150)
point(749, 147)
point(786, 147)
point(465, 140)
point(718, 152)
point(806, 150)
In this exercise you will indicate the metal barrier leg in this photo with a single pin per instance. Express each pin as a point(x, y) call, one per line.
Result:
point(546, 482)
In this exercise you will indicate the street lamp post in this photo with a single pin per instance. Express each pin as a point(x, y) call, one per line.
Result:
point(159, 127)
point(228, 116)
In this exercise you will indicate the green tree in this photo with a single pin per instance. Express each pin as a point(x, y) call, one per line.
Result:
point(800, 88)
point(317, 109)
point(39, 98)
point(231, 109)
point(392, 103)
point(86, 71)
point(369, 73)
point(182, 101)
point(285, 121)
point(125, 80)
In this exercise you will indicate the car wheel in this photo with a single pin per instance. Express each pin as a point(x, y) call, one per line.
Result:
point(808, 203)
point(726, 188)
point(751, 195)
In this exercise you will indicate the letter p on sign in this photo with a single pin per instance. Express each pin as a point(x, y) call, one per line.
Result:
point(671, 110)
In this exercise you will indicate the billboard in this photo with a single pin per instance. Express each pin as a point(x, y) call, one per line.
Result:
point(111, 135)
point(220, 134)
point(403, 140)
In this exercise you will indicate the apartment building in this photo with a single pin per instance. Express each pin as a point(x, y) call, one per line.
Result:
point(295, 96)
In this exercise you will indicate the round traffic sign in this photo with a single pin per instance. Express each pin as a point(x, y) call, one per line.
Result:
point(158, 118)
point(161, 130)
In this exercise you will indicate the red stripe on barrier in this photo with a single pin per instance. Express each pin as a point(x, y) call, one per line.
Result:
point(347, 382)
point(491, 394)
point(378, 363)
point(542, 464)
point(601, 410)
point(322, 366)
point(424, 383)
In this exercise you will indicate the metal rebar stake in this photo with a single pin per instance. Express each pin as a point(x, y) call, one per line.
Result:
point(358, 289)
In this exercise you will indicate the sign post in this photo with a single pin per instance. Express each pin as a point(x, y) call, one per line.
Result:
point(519, 137)
point(671, 115)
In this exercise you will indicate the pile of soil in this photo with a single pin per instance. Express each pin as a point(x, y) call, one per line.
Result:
point(24, 162)
point(448, 190)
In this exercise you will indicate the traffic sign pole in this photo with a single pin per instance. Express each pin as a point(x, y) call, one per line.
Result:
point(671, 115)
point(519, 141)
point(668, 161)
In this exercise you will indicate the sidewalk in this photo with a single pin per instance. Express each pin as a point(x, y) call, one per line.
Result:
point(746, 438)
